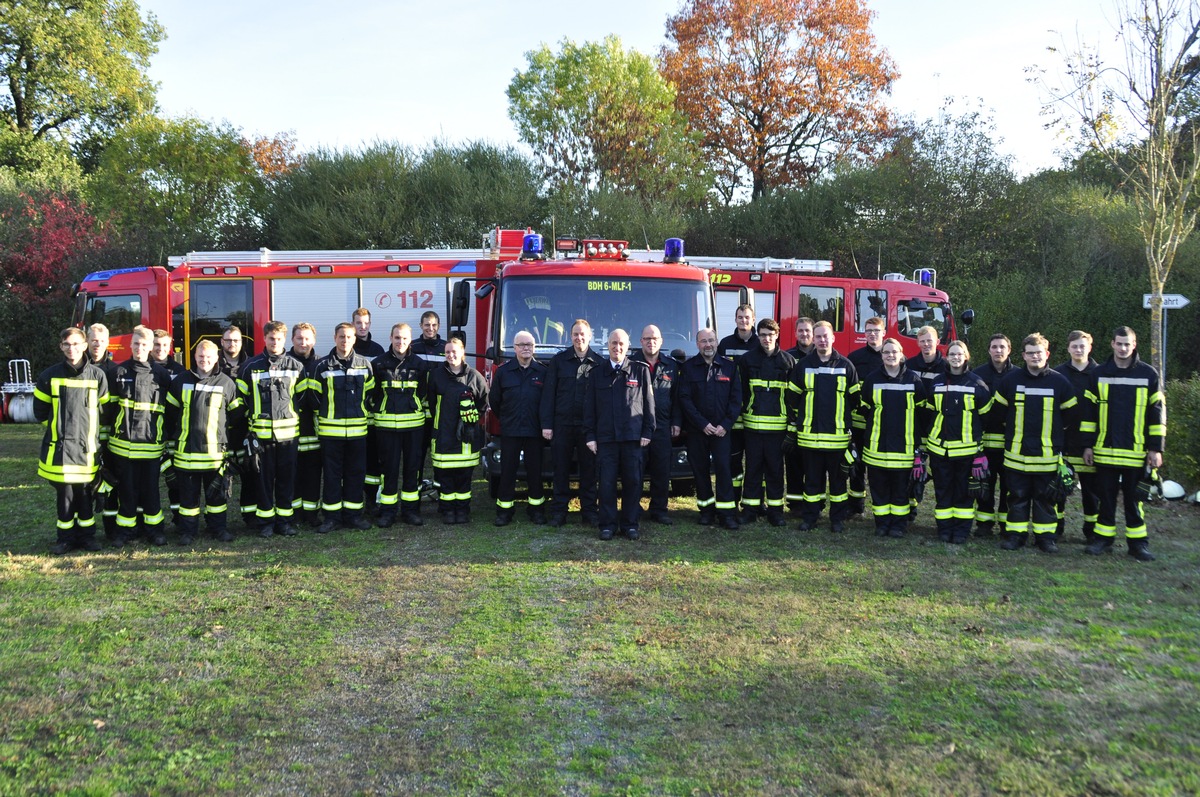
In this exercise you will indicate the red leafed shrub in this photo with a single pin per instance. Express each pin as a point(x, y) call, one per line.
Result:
point(43, 237)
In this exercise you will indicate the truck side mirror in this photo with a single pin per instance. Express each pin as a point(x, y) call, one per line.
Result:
point(460, 304)
point(968, 317)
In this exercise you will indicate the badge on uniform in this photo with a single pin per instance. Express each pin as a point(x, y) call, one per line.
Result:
point(722, 378)
point(631, 383)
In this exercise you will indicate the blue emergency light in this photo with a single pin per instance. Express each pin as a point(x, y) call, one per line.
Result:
point(926, 276)
point(673, 250)
point(531, 247)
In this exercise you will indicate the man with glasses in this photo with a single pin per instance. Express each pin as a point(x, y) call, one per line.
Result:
point(664, 375)
point(710, 394)
point(230, 362)
point(764, 377)
point(516, 400)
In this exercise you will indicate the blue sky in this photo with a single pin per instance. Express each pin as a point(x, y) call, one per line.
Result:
point(340, 75)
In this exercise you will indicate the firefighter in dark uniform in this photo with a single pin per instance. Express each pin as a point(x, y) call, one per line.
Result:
point(399, 402)
point(516, 399)
point(793, 468)
point(562, 424)
point(308, 445)
point(136, 401)
point(161, 355)
point(106, 494)
point(743, 339)
point(199, 405)
point(459, 394)
point(430, 347)
point(67, 400)
point(930, 363)
point(867, 360)
point(822, 395)
point(230, 362)
point(957, 405)
point(618, 422)
point(710, 396)
point(664, 379)
point(1039, 406)
point(338, 390)
point(889, 400)
point(764, 376)
point(993, 508)
point(366, 347)
point(1078, 370)
point(272, 385)
point(1127, 414)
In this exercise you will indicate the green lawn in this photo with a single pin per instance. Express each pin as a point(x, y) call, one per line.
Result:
point(471, 660)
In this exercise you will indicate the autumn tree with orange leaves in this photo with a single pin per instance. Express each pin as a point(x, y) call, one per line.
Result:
point(780, 89)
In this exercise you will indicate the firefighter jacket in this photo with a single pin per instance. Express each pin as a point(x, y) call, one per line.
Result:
point(137, 401)
point(799, 353)
point(1127, 413)
point(866, 362)
point(566, 388)
point(516, 398)
point(431, 350)
point(733, 347)
point(928, 371)
point(822, 397)
point(401, 392)
point(171, 366)
point(454, 395)
point(956, 406)
point(199, 409)
point(367, 347)
point(993, 420)
point(620, 403)
point(273, 386)
point(338, 390)
point(664, 381)
point(307, 439)
point(764, 380)
point(109, 367)
point(710, 393)
point(890, 406)
point(231, 368)
point(67, 400)
point(1077, 439)
point(1038, 411)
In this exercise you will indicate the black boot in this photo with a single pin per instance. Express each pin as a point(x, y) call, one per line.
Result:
point(1139, 550)
point(1089, 532)
point(1101, 544)
point(706, 517)
point(537, 515)
point(1047, 543)
point(1011, 540)
point(503, 517)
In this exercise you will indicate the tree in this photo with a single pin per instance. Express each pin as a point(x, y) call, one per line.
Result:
point(780, 89)
point(1140, 117)
point(598, 116)
point(74, 69)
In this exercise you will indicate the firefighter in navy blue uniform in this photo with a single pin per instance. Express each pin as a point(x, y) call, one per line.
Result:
point(1039, 406)
point(664, 378)
point(398, 414)
point(763, 373)
point(930, 363)
point(1127, 417)
point(562, 424)
point(67, 400)
point(136, 402)
point(516, 399)
point(272, 386)
point(743, 339)
point(618, 422)
point(793, 467)
point(459, 395)
point(993, 508)
point(105, 494)
point(710, 396)
point(957, 405)
point(308, 445)
point(867, 360)
point(366, 347)
point(230, 362)
point(1079, 371)
point(430, 347)
point(160, 355)
point(889, 400)
point(822, 396)
point(199, 405)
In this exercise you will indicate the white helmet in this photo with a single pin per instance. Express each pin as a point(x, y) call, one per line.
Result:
point(1172, 491)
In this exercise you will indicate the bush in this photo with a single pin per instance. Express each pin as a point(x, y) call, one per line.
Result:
point(1182, 459)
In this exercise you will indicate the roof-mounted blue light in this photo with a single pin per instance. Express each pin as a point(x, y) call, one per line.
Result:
point(531, 247)
point(673, 250)
point(925, 276)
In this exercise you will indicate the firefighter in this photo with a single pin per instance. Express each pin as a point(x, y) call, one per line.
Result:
point(804, 338)
point(1078, 370)
point(136, 401)
point(742, 340)
point(793, 469)
point(338, 390)
point(822, 396)
point(67, 400)
point(710, 396)
point(992, 507)
point(365, 346)
point(889, 400)
point(1039, 405)
point(398, 415)
point(763, 373)
point(233, 356)
point(431, 348)
point(957, 405)
point(618, 422)
point(459, 394)
point(309, 464)
point(516, 399)
point(664, 378)
point(231, 360)
point(272, 386)
point(867, 360)
point(199, 404)
point(930, 364)
point(1127, 416)
point(105, 493)
point(562, 424)
point(161, 355)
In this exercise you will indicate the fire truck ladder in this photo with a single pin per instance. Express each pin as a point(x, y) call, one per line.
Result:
point(763, 264)
point(266, 257)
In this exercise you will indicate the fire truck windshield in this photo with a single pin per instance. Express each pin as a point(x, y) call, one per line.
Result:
point(936, 314)
point(547, 306)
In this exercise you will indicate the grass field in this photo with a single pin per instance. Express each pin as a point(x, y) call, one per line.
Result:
point(531, 661)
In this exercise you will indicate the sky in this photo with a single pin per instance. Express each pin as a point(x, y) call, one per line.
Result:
point(341, 75)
